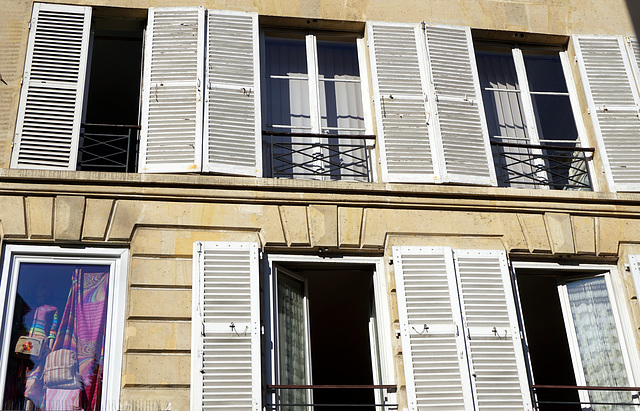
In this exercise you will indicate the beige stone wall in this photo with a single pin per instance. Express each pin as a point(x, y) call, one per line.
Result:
point(160, 217)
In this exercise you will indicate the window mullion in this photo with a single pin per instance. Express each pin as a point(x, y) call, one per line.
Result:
point(314, 84)
point(527, 103)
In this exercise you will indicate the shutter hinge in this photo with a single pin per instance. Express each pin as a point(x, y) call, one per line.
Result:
point(199, 247)
point(202, 331)
point(29, 25)
point(202, 361)
point(423, 25)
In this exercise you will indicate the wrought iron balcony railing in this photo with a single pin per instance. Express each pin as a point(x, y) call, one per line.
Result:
point(318, 156)
point(108, 147)
point(553, 397)
point(556, 167)
point(283, 401)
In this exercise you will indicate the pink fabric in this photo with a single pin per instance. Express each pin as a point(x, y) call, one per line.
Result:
point(82, 330)
point(63, 400)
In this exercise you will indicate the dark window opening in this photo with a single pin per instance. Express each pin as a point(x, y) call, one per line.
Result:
point(340, 336)
point(547, 339)
point(109, 135)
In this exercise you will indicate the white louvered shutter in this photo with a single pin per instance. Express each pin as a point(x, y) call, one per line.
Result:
point(50, 110)
point(436, 370)
point(171, 136)
point(613, 103)
point(402, 114)
point(463, 137)
point(233, 135)
point(491, 327)
point(225, 360)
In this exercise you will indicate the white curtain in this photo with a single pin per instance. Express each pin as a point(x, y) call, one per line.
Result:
point(291, 340)
point(598, 343)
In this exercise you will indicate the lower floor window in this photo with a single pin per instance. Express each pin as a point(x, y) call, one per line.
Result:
point(58, 327)
point(575, 338)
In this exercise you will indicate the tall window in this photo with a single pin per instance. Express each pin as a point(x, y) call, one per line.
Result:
point(575, 338)
point(312, 91)
point(59, 327)
point(530, 117)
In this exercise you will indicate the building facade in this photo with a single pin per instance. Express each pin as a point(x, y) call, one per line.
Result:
point(278, 204)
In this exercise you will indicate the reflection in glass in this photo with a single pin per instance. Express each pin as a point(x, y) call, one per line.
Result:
point(57, 338)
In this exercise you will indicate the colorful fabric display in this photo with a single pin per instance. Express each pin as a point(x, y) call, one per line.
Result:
point(44, 325)
point(61, 368)
point(63, 400)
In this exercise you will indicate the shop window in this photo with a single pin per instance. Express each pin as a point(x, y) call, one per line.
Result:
point(61, 335)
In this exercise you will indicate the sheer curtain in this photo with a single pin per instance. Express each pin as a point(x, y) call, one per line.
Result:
point(292, 340)
point(598, 343)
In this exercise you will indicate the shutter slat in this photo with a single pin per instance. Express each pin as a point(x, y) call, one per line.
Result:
point(233, 136)
point(51, 99)
point(496, 357)
point(171, 135)
point(436, 371)
point(228, 372)
point(613, 104)
point(400, 102)
point(463, 136)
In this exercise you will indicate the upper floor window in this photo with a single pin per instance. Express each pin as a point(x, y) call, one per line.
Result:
point(312, 92)
point(530, 118)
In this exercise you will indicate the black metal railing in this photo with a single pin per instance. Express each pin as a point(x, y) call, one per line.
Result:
point(319, 156)
point(108, 147)
point(557, 167)
point(384, 404)
point(553, 396)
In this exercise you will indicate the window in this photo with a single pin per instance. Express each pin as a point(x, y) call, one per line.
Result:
point(60, 309)
point(576, 337)
point(313, 92)
point(306, 306)
point(530, 117)
point(325, 332)
point(80, 101)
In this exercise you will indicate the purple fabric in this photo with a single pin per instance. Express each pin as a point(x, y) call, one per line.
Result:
point(82, 329)
point(43, 325)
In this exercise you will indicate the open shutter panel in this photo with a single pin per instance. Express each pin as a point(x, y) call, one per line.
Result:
point(463, 135)
point(400, 100)
point(232, 142)
point(171, 137)
point(50, 110)
point(228, 360)
point(613, 104)
point(491, 327)
point(433, 350)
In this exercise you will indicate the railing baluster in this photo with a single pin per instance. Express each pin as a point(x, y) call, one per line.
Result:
point(550, 166)
point(320, 157)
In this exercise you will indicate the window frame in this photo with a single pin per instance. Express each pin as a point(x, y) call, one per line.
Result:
point(117, 259)
point(269, 313)
point(620, 310)
point(310, 39)
point(528, 110)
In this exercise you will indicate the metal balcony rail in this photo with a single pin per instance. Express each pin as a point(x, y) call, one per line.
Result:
point(555, 167)
point(318, 156)
point(383, 406)
point(108, 147)
point(538, 387)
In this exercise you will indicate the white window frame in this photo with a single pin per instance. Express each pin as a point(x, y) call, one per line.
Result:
point(621, 314)
point(116, 259)
point(313, 79)
point(530, 114)
point(381, 300)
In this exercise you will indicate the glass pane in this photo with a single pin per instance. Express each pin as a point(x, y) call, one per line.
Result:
point(600, 351)
point(502, 102)
point(544, 73)
point(59, 321)
point(292, 340)
point(287, 85)
point(555, 119)
point(339, 82)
